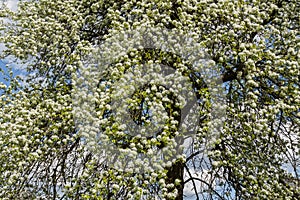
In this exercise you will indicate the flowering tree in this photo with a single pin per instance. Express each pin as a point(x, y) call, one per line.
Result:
point(97, 83)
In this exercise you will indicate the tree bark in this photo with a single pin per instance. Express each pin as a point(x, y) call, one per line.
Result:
point(176, 172)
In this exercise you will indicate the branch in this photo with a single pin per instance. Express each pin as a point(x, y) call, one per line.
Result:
point(194, 184)
point(198, 179)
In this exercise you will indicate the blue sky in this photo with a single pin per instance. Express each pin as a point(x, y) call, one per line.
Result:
point(2, 66)
point(12, 4)
point(16, 69)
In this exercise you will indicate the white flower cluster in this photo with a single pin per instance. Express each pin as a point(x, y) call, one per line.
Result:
point(117, 73)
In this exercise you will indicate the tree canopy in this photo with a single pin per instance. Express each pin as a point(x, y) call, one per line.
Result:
point(104, 110)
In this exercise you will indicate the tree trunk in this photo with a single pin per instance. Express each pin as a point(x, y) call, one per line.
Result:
point(176, 172)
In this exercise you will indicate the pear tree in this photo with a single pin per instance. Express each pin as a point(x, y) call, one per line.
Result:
point(140, 99)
